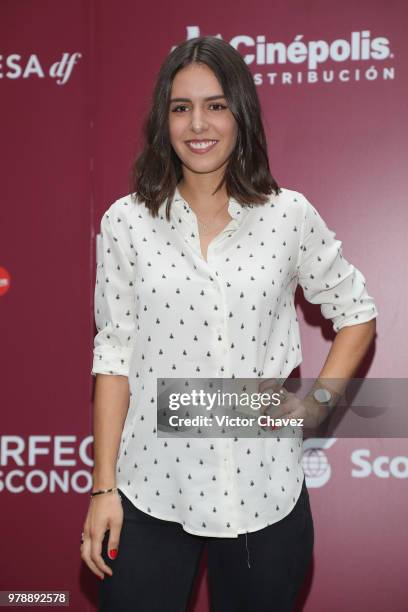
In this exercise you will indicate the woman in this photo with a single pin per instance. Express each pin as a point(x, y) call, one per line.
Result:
point(196, 275)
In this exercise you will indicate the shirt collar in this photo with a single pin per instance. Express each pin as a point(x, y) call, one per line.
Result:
point(181, 208)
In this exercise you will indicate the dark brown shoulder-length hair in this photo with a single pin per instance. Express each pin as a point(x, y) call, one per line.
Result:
point(157, 170)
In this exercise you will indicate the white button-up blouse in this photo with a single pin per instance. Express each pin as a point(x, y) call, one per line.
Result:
point(162, 310)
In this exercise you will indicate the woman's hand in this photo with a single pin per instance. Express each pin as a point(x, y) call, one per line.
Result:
point(291, 407)
point(105, 512)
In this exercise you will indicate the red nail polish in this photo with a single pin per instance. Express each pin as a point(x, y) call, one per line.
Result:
point(113, 553)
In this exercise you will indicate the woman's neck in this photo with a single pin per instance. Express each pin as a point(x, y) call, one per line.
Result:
point(202, 199)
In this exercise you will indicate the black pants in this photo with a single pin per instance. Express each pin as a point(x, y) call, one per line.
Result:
point(158, 561)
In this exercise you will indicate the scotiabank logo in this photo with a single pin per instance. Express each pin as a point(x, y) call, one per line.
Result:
point(382, 466)
point(300, 61)
point(15, 66)
point(318, 470)
point(315, 461)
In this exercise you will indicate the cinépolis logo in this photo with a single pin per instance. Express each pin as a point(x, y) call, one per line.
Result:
point(45, 464)
point(358, 56)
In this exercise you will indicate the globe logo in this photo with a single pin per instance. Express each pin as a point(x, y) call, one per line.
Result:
point(315, 463)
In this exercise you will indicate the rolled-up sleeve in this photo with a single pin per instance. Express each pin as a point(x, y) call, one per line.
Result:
point(327, 278)
point(114, 298)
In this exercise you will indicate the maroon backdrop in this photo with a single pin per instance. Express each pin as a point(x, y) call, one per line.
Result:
point(75, 83)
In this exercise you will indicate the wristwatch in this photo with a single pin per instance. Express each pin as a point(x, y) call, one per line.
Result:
point(323, 396)
point(326, 398)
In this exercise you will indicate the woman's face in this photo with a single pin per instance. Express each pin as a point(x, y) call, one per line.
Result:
point(202, 131)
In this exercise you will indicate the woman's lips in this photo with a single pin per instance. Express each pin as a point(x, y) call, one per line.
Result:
point(210, 144)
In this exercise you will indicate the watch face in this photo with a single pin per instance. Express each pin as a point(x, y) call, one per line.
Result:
point(322, 395)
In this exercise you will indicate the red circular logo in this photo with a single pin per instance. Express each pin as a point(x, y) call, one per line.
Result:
point(4, 280)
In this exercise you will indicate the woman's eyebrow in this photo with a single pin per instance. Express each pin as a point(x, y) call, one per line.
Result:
point(205, 99)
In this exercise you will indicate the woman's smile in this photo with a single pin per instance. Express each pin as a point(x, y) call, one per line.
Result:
point(201, 146)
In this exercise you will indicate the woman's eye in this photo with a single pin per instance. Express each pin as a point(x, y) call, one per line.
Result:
point(176, 109)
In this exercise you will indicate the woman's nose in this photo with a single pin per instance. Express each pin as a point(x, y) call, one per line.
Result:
point(198, 121)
